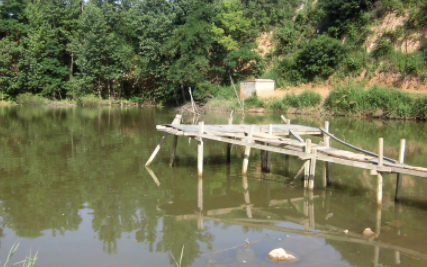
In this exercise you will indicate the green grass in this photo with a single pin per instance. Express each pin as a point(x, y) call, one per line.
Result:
point(89, 101)
point(29, 261)
point(30, 99)
point(355, 100)
point(306, 99)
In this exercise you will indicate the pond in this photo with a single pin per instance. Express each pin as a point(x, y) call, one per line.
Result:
point(73, 187)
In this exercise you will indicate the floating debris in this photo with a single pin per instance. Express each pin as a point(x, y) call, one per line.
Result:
point(368, 232)
point(280, 255)
point(345, 231)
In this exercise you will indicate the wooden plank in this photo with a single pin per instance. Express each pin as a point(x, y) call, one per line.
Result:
point(296, 136)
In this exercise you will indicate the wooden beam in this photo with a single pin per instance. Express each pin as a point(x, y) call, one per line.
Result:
point(399, 175)
point(175, 142)
point(379, 176)
point(307, 163)
point(294, 134)
point(156, 150)
point(200, 151)
point(247, 152)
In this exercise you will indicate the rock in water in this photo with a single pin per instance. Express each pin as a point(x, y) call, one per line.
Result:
point(280, 255)
point(368, 232)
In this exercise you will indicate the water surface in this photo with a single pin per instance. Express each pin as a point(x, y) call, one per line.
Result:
point(73, 187)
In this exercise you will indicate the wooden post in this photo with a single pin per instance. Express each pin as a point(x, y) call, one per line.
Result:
point(312, 222)
point(327, 165)
point(200, 151)
point(153, 155)
point(285, 120)
point(399, 175)
point(247, 197)
point(177, 121)
point(200, 202)
point(247, 152)
point(230, 122)
point(325, 137)
point(312, 170)
point(379, 175)
point(268, 153)
point(307, 163)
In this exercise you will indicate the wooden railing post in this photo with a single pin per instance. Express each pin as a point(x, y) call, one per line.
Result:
point(379, 175)
point(399, 175)
point(200, 150)
point(307, 163)
point(247, 152)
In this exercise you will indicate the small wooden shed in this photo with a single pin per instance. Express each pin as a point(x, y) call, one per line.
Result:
point(259, 87)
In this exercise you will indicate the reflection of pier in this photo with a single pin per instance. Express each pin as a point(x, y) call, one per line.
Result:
point(286, 139)
point(271, 213)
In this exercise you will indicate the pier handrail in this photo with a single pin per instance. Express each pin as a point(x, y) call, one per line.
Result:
point(355, 148)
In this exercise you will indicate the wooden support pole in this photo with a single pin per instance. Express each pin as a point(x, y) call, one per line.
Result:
point(177, 120)
point(153, 155)
point(247, 197)
point(247, 152)
point(399, 175)
point(230, 122)
point(268, 153)
point(200, 151)
point(312, 170)
point(307, 163)
point(326, 138)
point(312, 222)
point(379, 175)
point(285, 120)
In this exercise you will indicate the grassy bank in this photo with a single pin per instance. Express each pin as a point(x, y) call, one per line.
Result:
point(349, 100)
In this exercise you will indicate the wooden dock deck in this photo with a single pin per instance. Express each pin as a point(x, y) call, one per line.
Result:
point(288, 139)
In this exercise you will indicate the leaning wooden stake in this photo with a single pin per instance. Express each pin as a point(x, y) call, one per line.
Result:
point(200, 151)
point(379, 176)
point(399, 175)
point(153, 155)
point(247, 152)
point(285, 120)
point(307, 163)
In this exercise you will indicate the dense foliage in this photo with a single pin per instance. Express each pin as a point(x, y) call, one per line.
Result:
point(157, 49)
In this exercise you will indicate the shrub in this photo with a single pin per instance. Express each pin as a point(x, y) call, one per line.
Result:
point(30, 99)
point(254, 102)
point(277, 105)
point(356, 100)
point(305, 100)
point(320, 57)
point(89, 101)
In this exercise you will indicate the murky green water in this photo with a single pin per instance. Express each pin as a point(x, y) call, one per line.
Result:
point(73, 187)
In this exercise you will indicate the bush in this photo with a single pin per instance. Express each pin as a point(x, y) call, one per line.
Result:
point(320, 57)
point(89, 101)
point(356, 100)
point(30, 99)
point(274, 75)
point(254, 102)
point(305, 100)
point(277, 105)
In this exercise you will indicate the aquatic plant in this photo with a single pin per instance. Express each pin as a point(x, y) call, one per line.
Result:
point(178, 264)
point(28, 262)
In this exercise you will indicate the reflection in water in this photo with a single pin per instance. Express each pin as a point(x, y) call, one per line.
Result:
point(73, 183)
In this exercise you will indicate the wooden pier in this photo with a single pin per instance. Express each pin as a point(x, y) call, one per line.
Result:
point(288, 139)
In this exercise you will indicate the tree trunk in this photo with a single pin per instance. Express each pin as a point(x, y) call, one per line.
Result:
point(109, 94)
point(99, 88)
point(71, 66)
point(183, 93)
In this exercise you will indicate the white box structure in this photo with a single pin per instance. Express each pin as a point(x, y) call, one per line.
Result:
point(258, 87)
